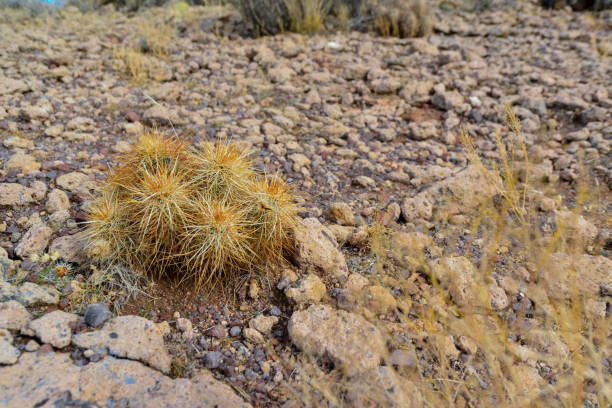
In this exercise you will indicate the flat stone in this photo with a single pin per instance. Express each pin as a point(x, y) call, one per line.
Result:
point(13, 316)
point(53, 380)
point(70, 248)
point(30, 294)
point(74, 182)
point(54, 328)
point(347, 338)
point(13, 194)
point(130, 337)
point(34, 241)
point(8, 353)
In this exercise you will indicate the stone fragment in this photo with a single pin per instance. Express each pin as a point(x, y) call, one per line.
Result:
point(348, 339)
point(54, 328)
point(13, 316)
point(316, 247)
point(130, 337)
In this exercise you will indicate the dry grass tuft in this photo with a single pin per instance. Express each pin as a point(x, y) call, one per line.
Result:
point(401, 18)
point(201, 214)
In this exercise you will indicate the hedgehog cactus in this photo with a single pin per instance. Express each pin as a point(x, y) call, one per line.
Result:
point(202, 214)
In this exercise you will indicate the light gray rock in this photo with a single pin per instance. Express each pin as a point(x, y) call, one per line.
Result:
point(13, 316)
point(13, 194)
point(96, 314)
point(34, 241)
point(8, 353)
point(460, 193)
point(54, 328)
point(347, 338)
point(53, 379)
point(74, 182)
point(70, 248)
point(30, 294)
point(5, 264)
point(7, 291)
point(316, 247)
point(130, 337)
point(57, 200)
point(10, 86)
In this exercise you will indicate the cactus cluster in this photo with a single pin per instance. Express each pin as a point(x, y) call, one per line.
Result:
point(201, 214)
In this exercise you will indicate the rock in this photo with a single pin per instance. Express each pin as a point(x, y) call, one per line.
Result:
point(74, 182)
point(32, 345)
point(186, 327)
point(57, 220)
point(16, 141)
point(13, 194)
point(34, 241)
point(409, 245)
point(341, 233)
point(588, 275)
point(161, 115)
point(499, 299)
point(365, 181)
point(348, 339)
point(130, 337)
point(6, 264)
point(235, 331)
point(9, 86)
point(7, 291)
point(461, 193)
point(299, 161)
point(448, 348)
point(379, 300)
point(263, 324)
point(384, 386)
point(576, 227)
point(31, 294)
point(8, 353)
point(213, 359)
point(382, 83)
point(54, 328)
point(96, 314)
point(57, 200)
point(280, 74)
point(417, 207)
point(467, 344)
point(54, 380)
point(253, 336)
point(403, 358)
point(39, 190)
point(342, 213)
point(70, 248)
point(13, 316)
point(217, 331)
point(456, 274)
point(307, 290)
point(528, 379)
point(449, 101)
point(316, 247)
point(23, 163)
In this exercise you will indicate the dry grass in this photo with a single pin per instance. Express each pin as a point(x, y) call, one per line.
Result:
point(199, 214)
point(551, 346)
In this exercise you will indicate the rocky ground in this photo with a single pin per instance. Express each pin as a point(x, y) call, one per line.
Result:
point(367, 130)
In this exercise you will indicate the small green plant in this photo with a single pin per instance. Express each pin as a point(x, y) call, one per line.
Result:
point(201, 214)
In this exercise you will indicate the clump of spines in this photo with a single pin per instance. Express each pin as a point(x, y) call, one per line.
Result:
point(201, 214)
